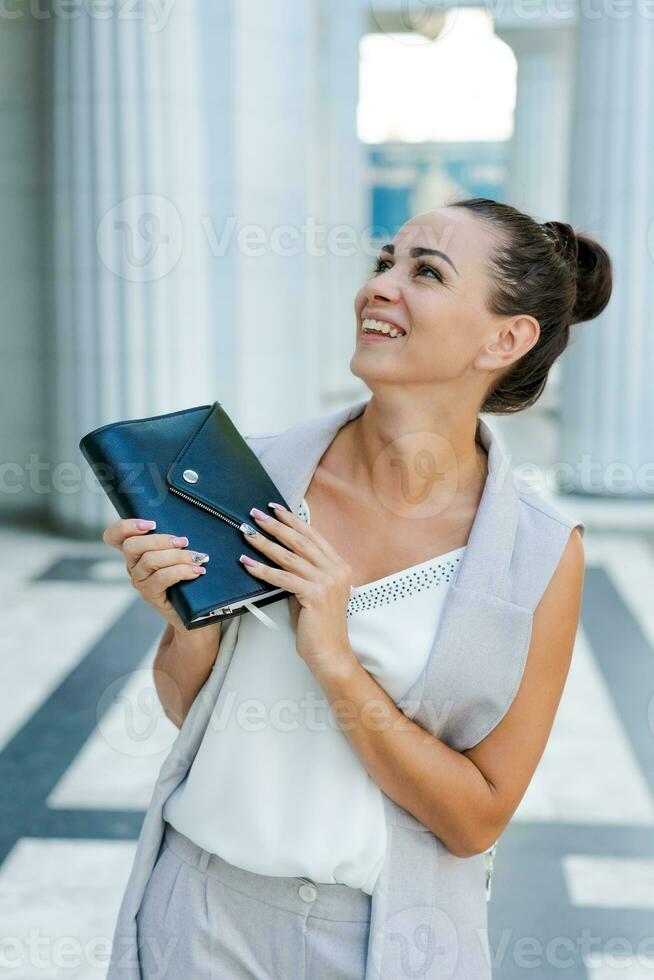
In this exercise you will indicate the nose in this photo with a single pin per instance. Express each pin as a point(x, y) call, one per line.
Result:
point(383, 287)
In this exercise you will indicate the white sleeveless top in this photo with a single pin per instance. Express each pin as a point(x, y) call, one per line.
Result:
point(275, 786)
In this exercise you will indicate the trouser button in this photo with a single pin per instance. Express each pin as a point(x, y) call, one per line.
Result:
point(307, 892)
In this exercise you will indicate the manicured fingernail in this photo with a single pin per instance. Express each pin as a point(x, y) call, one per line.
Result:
point(146, 525)
point(281, 506)
point(260, 514)
point(200, 557)
point(180, 542)
point(247, 560)
point(248, 529)
point(199, 569)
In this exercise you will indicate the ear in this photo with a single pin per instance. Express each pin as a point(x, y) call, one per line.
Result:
point(526, 330)
point(516, 337)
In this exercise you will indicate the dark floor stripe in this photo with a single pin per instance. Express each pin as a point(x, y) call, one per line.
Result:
point(86, 824)
point(626, 660)
point(616, 840)
point(533, 929)
point(40, 753)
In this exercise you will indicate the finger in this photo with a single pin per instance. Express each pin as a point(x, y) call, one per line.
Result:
point(116, 533)
point(307, 565)
point(152, 561)
point(295, 536)
point(278, 577)
point(286, 518)
point(154, 587)
point(134, 547)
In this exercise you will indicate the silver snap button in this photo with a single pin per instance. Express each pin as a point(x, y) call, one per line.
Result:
point(190, 476)
point(308, 893)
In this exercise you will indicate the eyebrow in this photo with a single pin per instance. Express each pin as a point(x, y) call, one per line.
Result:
point(416, 252)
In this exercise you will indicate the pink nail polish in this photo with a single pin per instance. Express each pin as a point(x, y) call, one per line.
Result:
point(247, 560)
point(260, 514)
point(272, 504)
point(146, 525)
point(199, 569)
point(180, 542)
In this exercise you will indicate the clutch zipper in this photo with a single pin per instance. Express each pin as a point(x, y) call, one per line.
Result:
point(199, 503)
point(230, 608)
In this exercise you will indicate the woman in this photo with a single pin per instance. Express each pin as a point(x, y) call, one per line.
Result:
point(347, 845)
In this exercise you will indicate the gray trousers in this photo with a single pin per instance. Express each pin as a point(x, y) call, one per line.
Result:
point(201, 917)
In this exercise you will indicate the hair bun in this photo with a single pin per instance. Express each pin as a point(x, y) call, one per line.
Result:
point(592, 265)
point(564, 239)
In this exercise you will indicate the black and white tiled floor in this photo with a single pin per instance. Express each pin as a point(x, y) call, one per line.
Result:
point(82, 737)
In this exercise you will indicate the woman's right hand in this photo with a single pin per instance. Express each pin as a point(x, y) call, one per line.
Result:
point(154, 562)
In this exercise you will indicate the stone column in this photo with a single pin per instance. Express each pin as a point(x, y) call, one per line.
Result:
point(608, 396)
point(340, 202)
point(131, 326)
point(22, 361)
point(540, 146)
point(187, 157)
point(274, 121)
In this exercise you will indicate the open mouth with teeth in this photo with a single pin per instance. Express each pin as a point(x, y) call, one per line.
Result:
point(381, 328)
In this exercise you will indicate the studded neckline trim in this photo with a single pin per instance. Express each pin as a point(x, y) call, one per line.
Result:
point(427, 574)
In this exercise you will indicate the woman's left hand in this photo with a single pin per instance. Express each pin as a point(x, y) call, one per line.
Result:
point(319, 579)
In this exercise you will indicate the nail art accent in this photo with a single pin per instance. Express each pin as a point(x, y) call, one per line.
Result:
point(247, 560)
point(248, 529)
point(260, 514)
point(199, 557)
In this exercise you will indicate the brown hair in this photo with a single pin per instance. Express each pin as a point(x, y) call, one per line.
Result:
point(559, 276)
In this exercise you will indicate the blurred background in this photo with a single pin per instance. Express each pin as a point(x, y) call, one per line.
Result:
point(191, 192)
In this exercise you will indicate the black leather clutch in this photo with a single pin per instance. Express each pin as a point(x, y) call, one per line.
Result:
point(195, 475)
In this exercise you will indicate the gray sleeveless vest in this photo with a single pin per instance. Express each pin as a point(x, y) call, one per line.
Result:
point(429, 909)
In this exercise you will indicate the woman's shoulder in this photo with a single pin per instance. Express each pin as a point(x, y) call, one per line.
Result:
point(541, 510)
point(543, 532)
point(282, 431)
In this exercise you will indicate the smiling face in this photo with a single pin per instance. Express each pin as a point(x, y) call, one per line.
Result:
point(431, 281)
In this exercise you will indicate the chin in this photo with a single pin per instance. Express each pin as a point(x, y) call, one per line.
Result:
point(370, 373)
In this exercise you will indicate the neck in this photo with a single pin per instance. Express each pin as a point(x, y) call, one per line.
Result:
point(415, 461)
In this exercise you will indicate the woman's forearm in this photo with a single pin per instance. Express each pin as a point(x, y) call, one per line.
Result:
point(441, 787)
point(181, 666)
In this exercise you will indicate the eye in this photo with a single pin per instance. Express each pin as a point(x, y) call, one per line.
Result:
point(425, 267)
point(421, 268)
point(379, 265)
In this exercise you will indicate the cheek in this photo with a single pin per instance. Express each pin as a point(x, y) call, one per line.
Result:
point(360, 300)
point(444, 332)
